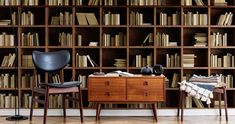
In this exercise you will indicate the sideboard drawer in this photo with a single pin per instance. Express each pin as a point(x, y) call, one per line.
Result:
point(107, 89)
point(148, 89)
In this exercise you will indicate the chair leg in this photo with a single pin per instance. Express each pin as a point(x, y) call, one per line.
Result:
point(80, 103)
point(32, 105)
point(182, 105)
point(225, 104)
point(179, 104)
point(219, 104)
point(63, 104)
point(45, 107)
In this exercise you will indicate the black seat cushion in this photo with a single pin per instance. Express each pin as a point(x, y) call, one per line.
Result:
point(62, 85)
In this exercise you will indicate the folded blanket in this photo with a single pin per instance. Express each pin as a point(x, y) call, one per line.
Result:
point(200, 87)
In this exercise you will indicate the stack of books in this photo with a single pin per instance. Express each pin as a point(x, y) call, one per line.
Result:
point(120, 62)
point(201, 39)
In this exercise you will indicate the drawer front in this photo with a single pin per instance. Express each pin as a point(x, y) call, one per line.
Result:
point(148, 89)
point(106, 89)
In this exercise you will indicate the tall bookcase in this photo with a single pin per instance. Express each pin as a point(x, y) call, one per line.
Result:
point(139, 34)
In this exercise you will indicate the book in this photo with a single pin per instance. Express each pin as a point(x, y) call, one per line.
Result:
point(91, 19)
point(119, 73)
point(81, 18)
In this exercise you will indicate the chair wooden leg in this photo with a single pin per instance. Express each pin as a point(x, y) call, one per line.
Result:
point(45, 107)
point(179, 104)
point(182, 105)
point(219, 104)
point(225, 104)
point(80, 103)
point(63, 104)
point(154, 111)
point(32, 105)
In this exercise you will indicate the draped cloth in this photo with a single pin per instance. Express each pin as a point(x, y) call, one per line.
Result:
point(201, 87)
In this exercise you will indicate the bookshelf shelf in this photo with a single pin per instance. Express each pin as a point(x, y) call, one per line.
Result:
point(118, 35)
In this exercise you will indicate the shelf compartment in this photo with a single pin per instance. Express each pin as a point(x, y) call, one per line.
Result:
point(197, 37)
point(141, 36)
point(118, 58)
point(141, 57)
point(168, 37)
point(60, 37)
point(87, 57)
point(114, 37)
point(83, 37)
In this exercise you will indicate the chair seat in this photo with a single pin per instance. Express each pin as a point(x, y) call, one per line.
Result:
point(62, 85)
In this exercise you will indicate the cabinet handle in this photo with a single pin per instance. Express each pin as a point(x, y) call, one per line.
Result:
point(107, 93)
point(145, 83)
point(145, 93)
point(107, 83)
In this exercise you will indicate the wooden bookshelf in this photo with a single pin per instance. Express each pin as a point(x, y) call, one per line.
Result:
point(103, 44)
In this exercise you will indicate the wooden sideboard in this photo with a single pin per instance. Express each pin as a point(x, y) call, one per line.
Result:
point(138, 89)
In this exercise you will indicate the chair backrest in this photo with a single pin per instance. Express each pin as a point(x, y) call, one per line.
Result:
point(51, 61)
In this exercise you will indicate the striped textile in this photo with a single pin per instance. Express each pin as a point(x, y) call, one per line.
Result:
point(200, 87)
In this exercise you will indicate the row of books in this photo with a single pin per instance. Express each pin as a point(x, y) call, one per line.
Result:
point(27, 61)
point(8, 100)
point(189, 100)
point(86, 19)
point(163, 39)
point(142, 2)
point(55, 101)
point(8, 60)
point(190, 2)
point(65, 39)
point(19, 2)
point(219, 39)
point(29, 39)
point(118, 39)
point(7, 80)
point(191, 18)
point(58, 2)
point(93, 2)
point(220, 3)
point(83, 79)
point(64, 18)
point(141, 60)
point(26, 80)
point(27, 18)
point(227, 79)
point(82, 61)
point(173, 19)
point(112, 18)
point(225, 19)
point(7, 39)
point(222, 60)
point(137, 18)
point(148, 41)
point(173, 60)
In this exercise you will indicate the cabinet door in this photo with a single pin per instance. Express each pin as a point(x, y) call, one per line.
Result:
point(145, 89)
point(107, 89)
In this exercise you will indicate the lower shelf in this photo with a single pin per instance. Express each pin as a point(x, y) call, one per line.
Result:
point(119, 112)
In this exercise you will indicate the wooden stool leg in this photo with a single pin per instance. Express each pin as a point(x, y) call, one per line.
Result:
point(182, 105)
point(154, 111)
point(225, 104)
point(219, 104)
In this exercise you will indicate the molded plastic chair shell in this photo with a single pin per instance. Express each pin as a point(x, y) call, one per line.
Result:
point(51, 61)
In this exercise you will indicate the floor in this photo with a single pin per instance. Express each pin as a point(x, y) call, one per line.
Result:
point(126, 120)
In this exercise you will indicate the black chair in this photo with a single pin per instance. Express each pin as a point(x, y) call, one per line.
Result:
point(53, 63)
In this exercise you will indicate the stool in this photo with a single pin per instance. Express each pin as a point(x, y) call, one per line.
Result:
point(217, 90)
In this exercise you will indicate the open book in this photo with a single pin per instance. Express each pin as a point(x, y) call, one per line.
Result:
point(119, 73)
